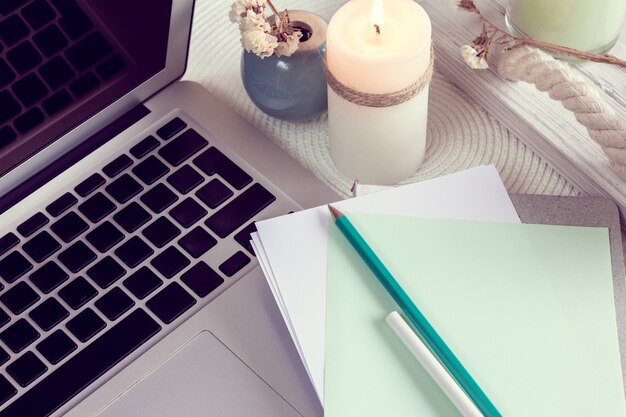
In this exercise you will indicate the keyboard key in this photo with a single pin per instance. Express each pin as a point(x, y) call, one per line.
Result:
point(7, 135)
point(132, 217)
point(48, 314)
point(6, 390)
point(114, 303)
point(243, 237)
point(188, 212)
point(24, 57)
point(14, 266)
point(41, 247)
point(181, 148)
point(111, 66)
point(56, 72)
point(19, 298)
point(133, 252)
point(77, 256)
point(77, 293)
point(48, 277)
point(4, 356)
point(7, 6)
point(238, 211)
point(97, 207)
point(19, 335)
point(7, 242)
point(75, 23)
point(202, 279)
point(171, 128)
point(26, 369)
point(197, 242)
point(161, 232)
point(50, 40)
point(170, 302)
point(69, 227)
point(185, 179)
point(106, 272)
point(84, 84)
point(116, 166)
point(89, 185)
point(104, 237)
point(33, 224)
point(38, 13)
point(234, 264)
point(144, 147)
point(12, 30)
point(170, 262)
point(9, 107)
point(56, 347)
point(6, 73)
point(124, 188)
point(142, 282)
point(214, 162)
point(214, 193)
point(88, 51)
point(159, 198)
point(85, 367)
point(29, 90)
point(56, 102)
point(29, 120)
point(4, 318)
point(58, 206)
point(85, 325)
point(150, 170)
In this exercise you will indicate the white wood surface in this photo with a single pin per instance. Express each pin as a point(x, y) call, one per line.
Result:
point(543, 124)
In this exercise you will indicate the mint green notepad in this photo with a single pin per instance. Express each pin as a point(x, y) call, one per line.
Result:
point(528, 309)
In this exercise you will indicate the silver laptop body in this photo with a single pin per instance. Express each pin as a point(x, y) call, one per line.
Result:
point(227, 351)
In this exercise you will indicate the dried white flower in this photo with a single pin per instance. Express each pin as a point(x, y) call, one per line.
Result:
point(237, 11)
point(261, 35)
point(241, 8)
point(253, 3)
point(290, 45)
point(253, 21)
point(259, 42)
point(470, 55)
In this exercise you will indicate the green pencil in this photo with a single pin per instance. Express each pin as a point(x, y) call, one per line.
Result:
point(426, 332)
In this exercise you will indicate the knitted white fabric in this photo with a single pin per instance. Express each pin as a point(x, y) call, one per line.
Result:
point(460, 134)
point(577, 94)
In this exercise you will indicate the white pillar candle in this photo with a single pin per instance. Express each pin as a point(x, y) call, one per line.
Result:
point(378, 145)
point(588, 25)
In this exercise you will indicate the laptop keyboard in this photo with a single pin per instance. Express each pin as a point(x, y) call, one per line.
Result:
point(51, 55)
point(114, 261)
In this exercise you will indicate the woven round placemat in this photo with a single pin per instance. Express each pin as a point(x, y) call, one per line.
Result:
point(460, 134)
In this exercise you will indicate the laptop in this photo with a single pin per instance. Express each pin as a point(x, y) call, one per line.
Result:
point(128, 286)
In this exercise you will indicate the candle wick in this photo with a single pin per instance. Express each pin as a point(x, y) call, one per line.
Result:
point(377, 30)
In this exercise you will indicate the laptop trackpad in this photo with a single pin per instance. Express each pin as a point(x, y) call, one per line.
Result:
point(202, 379)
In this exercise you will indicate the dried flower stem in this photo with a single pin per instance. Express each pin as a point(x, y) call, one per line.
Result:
point(506, 37)
point(269, 3)
point(562, 50)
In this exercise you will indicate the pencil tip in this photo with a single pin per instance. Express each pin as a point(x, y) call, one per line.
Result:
point(334, 212)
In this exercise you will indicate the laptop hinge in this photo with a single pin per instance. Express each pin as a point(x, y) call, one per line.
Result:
point(79, 152)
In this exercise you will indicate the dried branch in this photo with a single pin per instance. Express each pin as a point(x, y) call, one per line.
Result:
point(505, 40)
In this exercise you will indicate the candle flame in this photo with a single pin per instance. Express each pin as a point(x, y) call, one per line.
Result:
point(378, 16)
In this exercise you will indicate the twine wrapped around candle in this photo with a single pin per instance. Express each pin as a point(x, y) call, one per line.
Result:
point(382, 100)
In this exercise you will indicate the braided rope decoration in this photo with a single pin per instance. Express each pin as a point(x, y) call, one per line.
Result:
point(525, 63)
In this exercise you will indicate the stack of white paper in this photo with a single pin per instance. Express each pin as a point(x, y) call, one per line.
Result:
point(292, 249)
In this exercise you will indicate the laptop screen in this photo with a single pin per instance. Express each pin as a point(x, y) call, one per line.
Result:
point(62, 61)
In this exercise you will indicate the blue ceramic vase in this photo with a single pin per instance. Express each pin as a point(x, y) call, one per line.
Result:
point(294, 87)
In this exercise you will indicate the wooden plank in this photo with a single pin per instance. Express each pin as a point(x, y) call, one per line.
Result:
point(543, 124)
